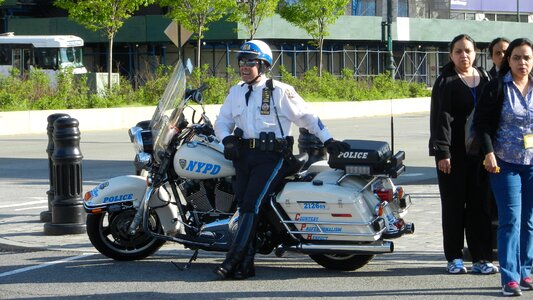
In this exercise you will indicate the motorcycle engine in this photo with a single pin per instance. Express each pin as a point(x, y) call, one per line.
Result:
point(209, 195)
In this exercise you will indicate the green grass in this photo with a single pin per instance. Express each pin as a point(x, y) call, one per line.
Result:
point(35, 93)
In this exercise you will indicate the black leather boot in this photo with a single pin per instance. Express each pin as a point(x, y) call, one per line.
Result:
point(246, 268)
point(245, 232)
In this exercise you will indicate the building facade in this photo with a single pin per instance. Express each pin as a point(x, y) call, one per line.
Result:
point(421, 31)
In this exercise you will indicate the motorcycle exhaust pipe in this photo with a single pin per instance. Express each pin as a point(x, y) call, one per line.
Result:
point(384, 247)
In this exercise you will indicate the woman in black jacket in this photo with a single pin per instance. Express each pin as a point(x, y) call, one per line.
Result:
point(463, 184)
point(496, 51)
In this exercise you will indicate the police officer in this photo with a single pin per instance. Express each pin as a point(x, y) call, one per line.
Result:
point(253, 124)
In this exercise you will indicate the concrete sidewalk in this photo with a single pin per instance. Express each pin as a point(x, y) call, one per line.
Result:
point(29, 122)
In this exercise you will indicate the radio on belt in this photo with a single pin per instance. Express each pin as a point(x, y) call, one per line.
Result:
point(368, 158)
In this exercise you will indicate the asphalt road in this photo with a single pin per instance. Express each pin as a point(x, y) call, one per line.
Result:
point(414, 271)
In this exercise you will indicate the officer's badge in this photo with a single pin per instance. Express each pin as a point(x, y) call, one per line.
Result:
point(290, 95)
point(265, 102)
point(182, 162)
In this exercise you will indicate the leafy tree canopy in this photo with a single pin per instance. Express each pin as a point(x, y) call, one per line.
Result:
point(250, 13)
point(108, 15)
point(313, 16)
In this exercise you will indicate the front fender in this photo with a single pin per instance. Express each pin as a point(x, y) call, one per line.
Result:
point(129, 190)
point(122, 189)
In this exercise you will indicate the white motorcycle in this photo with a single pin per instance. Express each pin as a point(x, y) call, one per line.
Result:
point(340, 212)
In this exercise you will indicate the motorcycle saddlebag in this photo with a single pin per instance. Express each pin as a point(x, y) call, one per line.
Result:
point(364, 157)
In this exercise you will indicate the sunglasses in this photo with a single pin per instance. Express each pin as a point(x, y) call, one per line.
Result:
point(248, 63)
point(518, 58)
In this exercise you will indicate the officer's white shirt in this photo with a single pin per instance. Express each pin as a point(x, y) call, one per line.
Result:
point(290, 107)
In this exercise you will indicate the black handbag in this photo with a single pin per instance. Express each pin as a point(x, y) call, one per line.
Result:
point(472, 144)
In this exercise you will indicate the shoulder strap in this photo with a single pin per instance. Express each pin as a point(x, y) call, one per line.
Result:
point(499, 93)
point(270, 86)
point(485, 73)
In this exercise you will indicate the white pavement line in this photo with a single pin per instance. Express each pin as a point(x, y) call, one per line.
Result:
point(412, 174)
point(47, 264)
point(29, 208)
point(23, 204)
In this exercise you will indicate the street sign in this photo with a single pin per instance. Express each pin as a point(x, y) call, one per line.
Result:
point(172, 33)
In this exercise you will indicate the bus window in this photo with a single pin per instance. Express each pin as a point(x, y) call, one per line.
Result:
point(70, 57)
point(5, 55)
point(46, 58)
point(27, 59)
point(17, 59)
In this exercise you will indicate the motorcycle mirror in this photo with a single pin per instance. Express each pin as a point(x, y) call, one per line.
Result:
point(188, 65)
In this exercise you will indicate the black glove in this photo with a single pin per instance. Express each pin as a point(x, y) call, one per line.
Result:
point(334, 146)
point(231, 147)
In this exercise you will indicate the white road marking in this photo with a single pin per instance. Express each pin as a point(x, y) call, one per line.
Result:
point(23, 204)
point(29, 208)
point(47, 264)
point(412, 174)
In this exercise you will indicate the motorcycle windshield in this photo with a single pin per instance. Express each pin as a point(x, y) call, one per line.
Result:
point(169, 108)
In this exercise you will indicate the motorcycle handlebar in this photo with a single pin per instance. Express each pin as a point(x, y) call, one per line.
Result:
point(196, 94)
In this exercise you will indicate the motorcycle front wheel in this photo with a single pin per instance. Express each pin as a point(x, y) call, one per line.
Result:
point(108, 232)
point(341, 262)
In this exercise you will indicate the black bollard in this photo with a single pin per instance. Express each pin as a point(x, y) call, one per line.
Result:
point(68, 215)
point(46, 216)
point(311, 144)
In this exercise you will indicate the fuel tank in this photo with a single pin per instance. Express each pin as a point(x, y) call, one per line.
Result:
point(202, 160)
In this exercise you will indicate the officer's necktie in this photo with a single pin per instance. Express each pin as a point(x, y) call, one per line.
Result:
point(247, 95)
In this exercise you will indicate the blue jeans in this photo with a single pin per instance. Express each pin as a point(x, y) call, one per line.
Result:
point(513, 190)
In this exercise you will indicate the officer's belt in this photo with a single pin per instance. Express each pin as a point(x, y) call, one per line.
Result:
point(263, 145)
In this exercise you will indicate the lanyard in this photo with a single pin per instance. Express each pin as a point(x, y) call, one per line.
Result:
point(471, 89)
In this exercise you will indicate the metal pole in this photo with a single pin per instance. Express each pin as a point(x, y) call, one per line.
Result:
point(390, 65)
point(518, 11)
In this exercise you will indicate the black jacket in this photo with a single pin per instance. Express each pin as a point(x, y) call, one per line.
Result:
point(492, 72)
point(488, 112)
point(448, 114)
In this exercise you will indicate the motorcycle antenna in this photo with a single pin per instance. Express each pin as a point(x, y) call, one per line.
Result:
point(391, 127)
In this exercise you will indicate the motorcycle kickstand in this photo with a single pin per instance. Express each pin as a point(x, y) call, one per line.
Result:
point(189, 263)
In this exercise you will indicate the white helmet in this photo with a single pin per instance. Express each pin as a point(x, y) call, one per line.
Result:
point(256, 49)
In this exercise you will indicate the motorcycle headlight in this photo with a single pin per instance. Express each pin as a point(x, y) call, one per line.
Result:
point(142, 160)
point(142, 140)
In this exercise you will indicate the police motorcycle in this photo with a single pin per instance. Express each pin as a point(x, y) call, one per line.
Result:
point(340, 212)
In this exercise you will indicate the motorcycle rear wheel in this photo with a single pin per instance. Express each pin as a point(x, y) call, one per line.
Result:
point(108, 232)
point(341, 262)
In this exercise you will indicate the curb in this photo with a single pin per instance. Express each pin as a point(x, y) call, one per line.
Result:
point(32, 122)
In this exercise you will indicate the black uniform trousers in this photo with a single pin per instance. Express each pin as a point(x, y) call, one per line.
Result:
point(257, 175)
point(466, 201)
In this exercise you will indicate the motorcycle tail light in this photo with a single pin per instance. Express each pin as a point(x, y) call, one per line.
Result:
point(385, 194)
point(87, 196)
point(341, 215)
point(400, 192)
point(379, 210)
point(359, 170)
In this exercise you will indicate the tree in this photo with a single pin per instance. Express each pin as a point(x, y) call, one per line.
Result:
point(105, 15)
point(314, 16)
point(195, 15)
point(250, 13)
